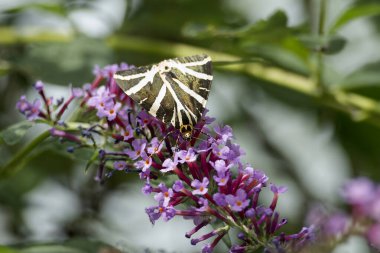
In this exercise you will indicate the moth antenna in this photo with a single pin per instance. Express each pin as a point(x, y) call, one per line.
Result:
point(129, 117)
point(176, 142)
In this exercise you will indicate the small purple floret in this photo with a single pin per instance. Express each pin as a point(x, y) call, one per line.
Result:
point(239, 201)
point(200, 187)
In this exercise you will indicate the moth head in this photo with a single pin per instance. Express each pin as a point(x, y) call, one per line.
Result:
point(165, 66)
point(186, 131)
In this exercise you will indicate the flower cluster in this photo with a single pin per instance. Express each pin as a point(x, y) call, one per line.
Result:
point(363, 197)
point(203, 179)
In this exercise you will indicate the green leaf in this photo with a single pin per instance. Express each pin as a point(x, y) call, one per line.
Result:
point(334, 45)
point(71, 246)
point(278, 55)
point(51, 248)
point(93, 158)
point(45, 6)
point(353, 13)
point(4, 249)
point(14, 133)
point(326, 44)
point(276, 23)
point(367, 76)
point(202, 31)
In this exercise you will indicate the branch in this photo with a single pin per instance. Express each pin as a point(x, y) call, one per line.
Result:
point(21, 156)
point(359, 107)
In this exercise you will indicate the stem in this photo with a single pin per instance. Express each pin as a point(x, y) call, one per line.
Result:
point(361, 108)
point(17, 160)
point(319, 82)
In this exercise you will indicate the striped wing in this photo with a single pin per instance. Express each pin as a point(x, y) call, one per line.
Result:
point(174, 91)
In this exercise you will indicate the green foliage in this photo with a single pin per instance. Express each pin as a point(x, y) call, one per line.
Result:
point(14, 133)
point(365, 77)
point(326, 44)
point(4, 249)
point(353, 13)
point(71, 246)
point(76, 60)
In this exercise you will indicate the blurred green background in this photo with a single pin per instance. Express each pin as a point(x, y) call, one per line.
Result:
point(297, 80)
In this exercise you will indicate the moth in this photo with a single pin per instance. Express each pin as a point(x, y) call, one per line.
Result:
point(174, 91)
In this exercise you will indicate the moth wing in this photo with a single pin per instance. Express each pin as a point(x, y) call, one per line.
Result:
point(177, 96)
point(191, 82)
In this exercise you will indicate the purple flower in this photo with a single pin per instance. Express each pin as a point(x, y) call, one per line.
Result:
point(144, 163)
point(109, 111)
point(34, 110)
point(373, 236)
point(278, 189)
point(238, 249)
point(256, 175)
point(39, 86)
point(359, 191)
point(222, 178)
point(145, 175)
point(156, 212)
point(207, 248)
point(187, 156)
point(22, 105)
point(210, 184)
point(238, 202)
point(224, 132)
point(138, 149)
point(200, 187)
point(144, 118)
point(147, 189)
point(220, 166)
point(169, 165)
point(220, 199)
point(127, 133)
point(105, 72)
point(119, 165)
point(203, 205)
point(223, 174)
point(155, 146)
point(374, 210)
point(77, 92)
point(250, 213)
point(235, 152)
point(103, 102)
point(178, 186)
point(336, 225)
point(221, 152)
point(101, 98)
point(164, 195)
